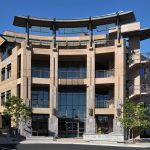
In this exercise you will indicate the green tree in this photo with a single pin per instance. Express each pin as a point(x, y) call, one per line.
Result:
point(134, 116)
point(17, 111)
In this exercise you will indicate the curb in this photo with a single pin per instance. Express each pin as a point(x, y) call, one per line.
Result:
point(94, 144)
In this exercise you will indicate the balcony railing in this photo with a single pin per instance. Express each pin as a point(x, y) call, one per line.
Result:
point(139, 89)
point(104, 103)
point(72, 44)
point(104, 43)
point(40, 73)
point(139, 57)
point(104, 73)
point(72, 74)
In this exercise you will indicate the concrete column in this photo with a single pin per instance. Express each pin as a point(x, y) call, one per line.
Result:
point(14, 71)
point(53, 120)
point(134, 52)
point(120, 82)
point(25, 127)
point(90, 103)
point(26, 73)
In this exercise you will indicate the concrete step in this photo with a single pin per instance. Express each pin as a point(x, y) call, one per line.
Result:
point(49, 138)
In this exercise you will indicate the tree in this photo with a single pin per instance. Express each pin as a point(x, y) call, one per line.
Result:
point(134, 116)
point(17, 111)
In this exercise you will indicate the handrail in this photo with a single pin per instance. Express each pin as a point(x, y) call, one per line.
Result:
point(40, 73)
point(104, 73)
point(72, 74)
point(143, 88)
point(99, 103)
point(139, 57)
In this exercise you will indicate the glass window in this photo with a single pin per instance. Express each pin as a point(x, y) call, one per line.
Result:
point(72, 70)
point(2, 99)
point(40, 97)
point(8, 71)
point(8, 95)
point(3, 52)
point(3, 74)
point(71, 102)
point(40, 125)
point(40, 71)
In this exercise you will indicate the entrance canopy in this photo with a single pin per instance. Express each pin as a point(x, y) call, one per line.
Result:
point(124, 17)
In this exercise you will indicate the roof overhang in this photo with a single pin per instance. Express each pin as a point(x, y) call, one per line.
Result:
point(143, 33)
point(124, 17)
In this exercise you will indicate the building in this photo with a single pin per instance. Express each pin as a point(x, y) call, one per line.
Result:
point(75, 84)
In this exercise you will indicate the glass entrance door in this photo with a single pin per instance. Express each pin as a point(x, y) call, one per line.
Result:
point(72, 129)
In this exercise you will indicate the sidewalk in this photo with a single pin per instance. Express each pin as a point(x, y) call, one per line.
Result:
point(80, 141)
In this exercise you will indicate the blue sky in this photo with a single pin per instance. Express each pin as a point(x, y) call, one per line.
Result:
point(72, 9)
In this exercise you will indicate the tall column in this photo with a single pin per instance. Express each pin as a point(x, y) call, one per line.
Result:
point(53, 120)
point(120, 83)
point(26, 85)
point(90, 116)
point(90, 34)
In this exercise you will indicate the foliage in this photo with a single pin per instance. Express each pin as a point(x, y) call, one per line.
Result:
point(16, 109)
point(134, 116)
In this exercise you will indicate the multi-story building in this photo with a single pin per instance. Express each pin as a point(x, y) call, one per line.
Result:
point(75, 84)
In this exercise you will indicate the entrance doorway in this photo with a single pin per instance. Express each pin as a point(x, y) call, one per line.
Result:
point(70, 127)
point(71, 111)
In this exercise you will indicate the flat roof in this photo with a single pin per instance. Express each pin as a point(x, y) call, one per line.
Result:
point(143, 33)
point(124, 17)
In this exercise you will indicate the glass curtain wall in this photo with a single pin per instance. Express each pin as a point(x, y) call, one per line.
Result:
point(71, 110)
point(72, 70)
point(40, 97)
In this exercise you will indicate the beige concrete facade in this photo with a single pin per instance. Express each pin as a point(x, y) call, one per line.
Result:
point(124, 62)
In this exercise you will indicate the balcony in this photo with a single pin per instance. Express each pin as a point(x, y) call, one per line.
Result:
point(138, 58)
point(104, 43)
point(72, 74)
point(136, 90)
point(104, 73)
point(40, 73)
point(104, 102)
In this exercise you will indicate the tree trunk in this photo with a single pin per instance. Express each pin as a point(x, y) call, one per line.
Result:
point(129, 131)
point(132, 135)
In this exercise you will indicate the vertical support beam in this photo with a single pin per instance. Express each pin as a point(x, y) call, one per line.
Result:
point(120, 83)
point(27, 30)
point(90, 34)
point(90, 116)
point(118, 28)
point(25, 126)
point(54, 34)
point(53, 120)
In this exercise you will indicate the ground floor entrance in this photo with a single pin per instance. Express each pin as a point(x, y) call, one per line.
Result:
point(40, 125)
point(71, 111)
point(70, 127)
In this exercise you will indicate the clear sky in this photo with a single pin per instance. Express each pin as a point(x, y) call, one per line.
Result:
point(72, 9)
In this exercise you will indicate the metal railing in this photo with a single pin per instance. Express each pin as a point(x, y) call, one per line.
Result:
point(40, 73)
point(138, 89)
point(104, 43)
point(104, 73)
point(99, 103)
point(139, 57)
point(72, 74)
point(72, 44)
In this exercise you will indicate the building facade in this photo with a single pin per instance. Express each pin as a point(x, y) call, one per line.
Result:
point(75, 84)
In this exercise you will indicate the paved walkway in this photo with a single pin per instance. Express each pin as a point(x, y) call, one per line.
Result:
point(78, 141)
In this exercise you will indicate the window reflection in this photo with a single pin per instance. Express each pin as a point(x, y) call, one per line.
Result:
point(72, 103)
point(40, 97)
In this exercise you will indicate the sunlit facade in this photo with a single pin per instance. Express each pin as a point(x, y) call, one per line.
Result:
point(75, 74)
